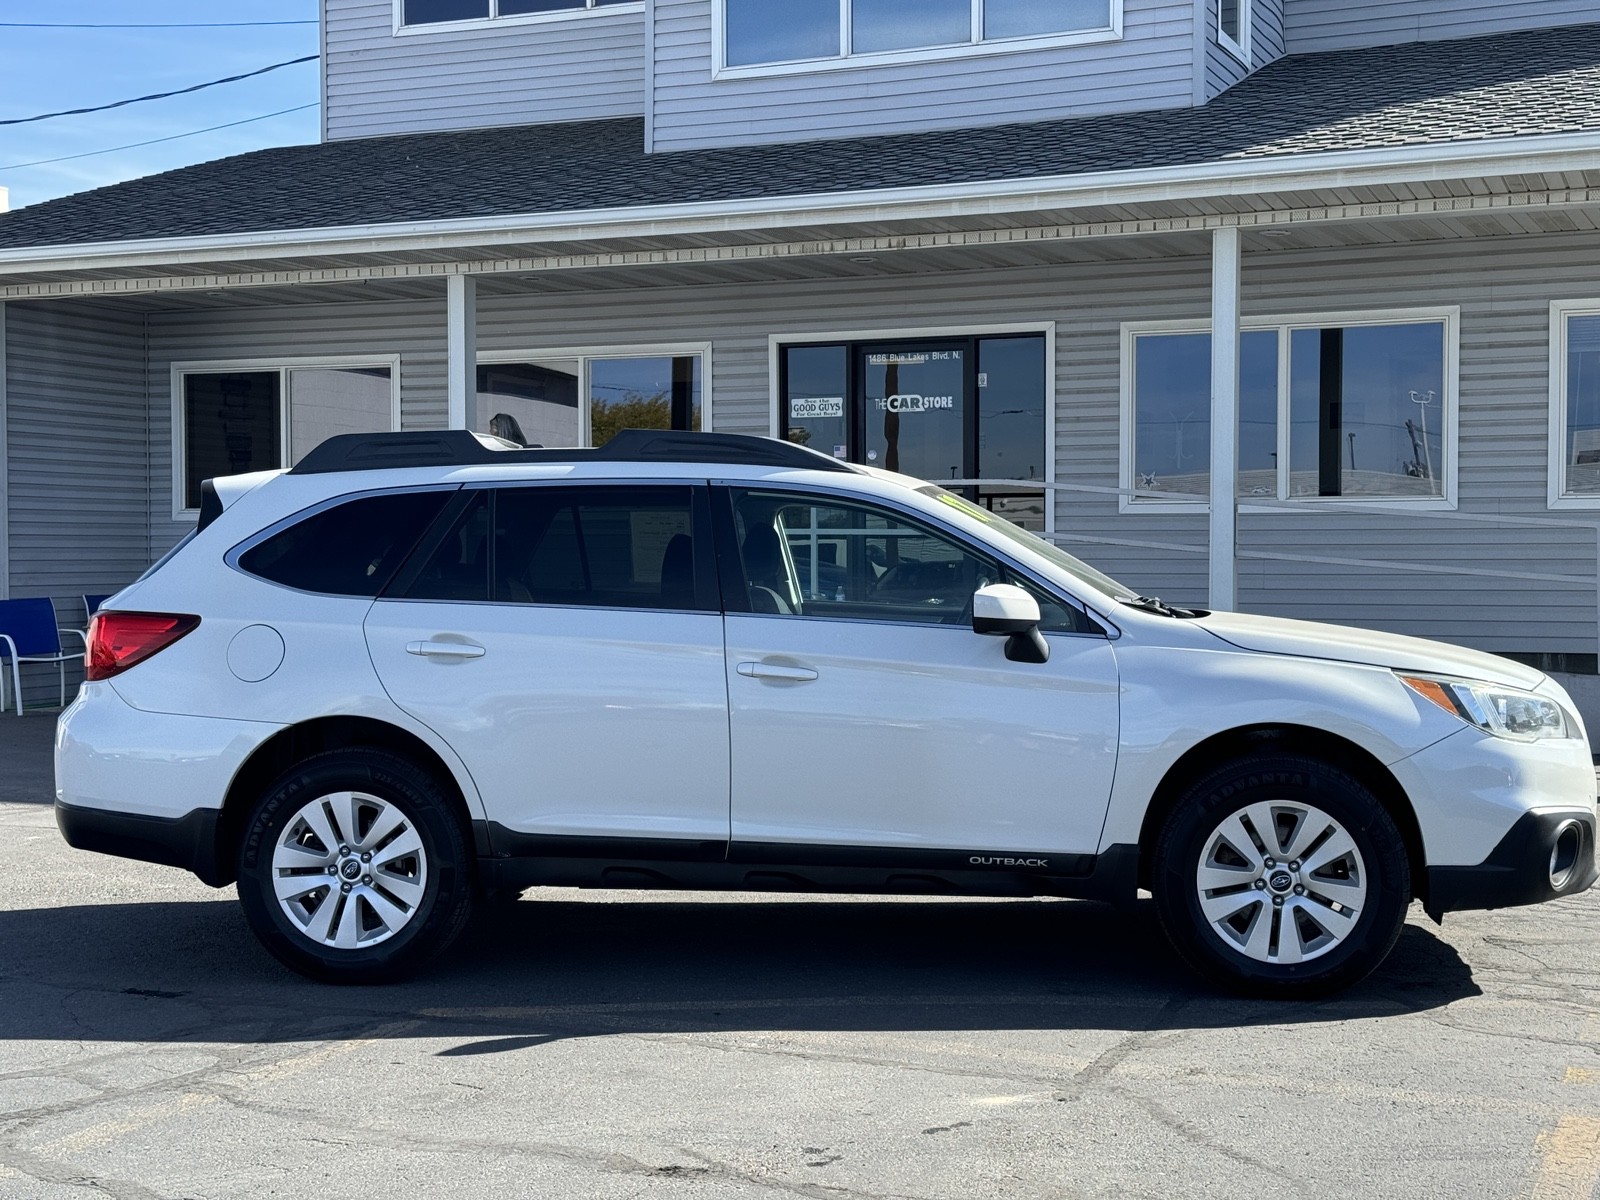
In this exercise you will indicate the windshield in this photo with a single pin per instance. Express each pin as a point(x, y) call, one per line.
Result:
point(1079, 570)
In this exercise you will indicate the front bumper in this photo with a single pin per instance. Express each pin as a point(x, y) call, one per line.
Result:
point(189, 841)
point(1546, 854)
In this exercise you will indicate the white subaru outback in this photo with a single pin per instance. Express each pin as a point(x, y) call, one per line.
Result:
point(421, 667)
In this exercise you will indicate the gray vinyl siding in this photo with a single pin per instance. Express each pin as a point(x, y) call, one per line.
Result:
point(414, 330)
point(1316, 25)
point(1223, 68)
point(77, 474)
point(585, 66)
point(1151, 67)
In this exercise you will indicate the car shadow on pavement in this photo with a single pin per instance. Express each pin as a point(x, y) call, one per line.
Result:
point(544, 970)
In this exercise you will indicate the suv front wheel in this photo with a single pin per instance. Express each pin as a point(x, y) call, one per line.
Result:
point(1281, 876)
point(354, 868)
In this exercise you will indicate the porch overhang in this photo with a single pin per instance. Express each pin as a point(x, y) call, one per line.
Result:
point(1501, 186)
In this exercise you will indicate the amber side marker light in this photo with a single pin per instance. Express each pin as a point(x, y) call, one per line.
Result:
point(1432, 689)
point(119, 640)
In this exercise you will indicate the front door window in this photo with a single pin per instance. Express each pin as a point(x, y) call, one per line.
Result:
point(915, 402)
point(940, 409)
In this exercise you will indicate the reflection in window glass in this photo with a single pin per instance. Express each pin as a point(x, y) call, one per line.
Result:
point(230, 426)
point(830, 559)
point(877, 25)
point(1030, 18)
point(656, 392)
point(324, 402)
point(532, 404)
point(1230, 19)
point(510, 8)
point(1172, 413)
point(1583, 406)
point(428, 12)
point(1011, 404)
point(759, 31)
point(814, 404)
point(1367, 411)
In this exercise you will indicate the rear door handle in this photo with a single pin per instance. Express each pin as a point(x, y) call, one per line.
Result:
point(445, 649)
point(757, 670)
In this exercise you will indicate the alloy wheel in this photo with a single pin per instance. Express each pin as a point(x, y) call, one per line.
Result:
point(1281, 882)
point(350, 870)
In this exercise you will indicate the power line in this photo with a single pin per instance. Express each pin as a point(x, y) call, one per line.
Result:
point(73, 112)
point(153, 141)
point(147, 25)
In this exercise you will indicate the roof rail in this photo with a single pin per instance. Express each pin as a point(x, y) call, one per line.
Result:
point(461, 448)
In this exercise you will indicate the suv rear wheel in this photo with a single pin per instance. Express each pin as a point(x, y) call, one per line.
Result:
point(354, 868)
point(1281, 876)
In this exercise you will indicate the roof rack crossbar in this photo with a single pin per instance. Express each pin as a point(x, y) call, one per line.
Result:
point(462, 448)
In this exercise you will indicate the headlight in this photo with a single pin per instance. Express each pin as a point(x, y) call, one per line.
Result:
point(1503, 711)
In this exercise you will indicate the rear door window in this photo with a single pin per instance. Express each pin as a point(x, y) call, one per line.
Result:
point(350, 549)
point(605, 547)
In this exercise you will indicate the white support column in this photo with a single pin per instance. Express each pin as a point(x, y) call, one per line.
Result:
point(1225, 270)
point(461, 347)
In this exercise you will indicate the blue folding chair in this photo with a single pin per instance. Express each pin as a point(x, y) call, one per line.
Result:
point(29, 634)
point(91, 604)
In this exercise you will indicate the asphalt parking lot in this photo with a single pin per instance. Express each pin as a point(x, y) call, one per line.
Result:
point(646, 1044)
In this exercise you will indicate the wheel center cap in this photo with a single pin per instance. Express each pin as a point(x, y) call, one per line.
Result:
point(350, 869)
point(1280, 881)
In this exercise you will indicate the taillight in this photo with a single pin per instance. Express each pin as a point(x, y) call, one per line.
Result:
point(118, 640)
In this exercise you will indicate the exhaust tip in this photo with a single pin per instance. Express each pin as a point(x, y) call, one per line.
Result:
point(1564, 853)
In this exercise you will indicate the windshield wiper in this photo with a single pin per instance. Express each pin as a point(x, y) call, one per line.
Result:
point(1155, 604)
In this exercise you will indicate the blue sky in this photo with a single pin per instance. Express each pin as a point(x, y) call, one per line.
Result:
point(42, 70)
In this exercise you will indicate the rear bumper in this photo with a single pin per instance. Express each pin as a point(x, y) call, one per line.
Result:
point(189, 841)
point(1547, 854)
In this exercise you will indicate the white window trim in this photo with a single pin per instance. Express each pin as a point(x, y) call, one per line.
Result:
point(1556, 495)
point(283, 366)
point(978, 47)
point(401, 29)
point(1240, 49)
point(1450, 317)
point(777, 341)
point(587, 354)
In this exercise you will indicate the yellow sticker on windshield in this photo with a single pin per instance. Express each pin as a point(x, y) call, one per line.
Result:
point(962, 504)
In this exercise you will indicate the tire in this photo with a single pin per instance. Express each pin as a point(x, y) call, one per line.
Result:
point(392, 910)
point(1285, 930)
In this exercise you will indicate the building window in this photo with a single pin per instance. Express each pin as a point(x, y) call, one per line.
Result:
point(1356, 409)
point(1172, 413)
point(937, 407)
point(234, 418)
point(582, 400)
point(1233, 26)
point(760, 33)
point(1575, 405)
point(439, 12)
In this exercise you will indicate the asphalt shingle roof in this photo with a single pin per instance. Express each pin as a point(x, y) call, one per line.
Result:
point(1477, 89)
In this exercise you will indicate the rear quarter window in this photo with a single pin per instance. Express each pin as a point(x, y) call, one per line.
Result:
point(351, 549)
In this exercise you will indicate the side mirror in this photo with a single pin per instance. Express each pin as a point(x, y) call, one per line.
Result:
point(1005, 610)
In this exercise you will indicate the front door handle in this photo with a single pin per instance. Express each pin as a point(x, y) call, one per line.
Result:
point(760, 670)
point(445, 649)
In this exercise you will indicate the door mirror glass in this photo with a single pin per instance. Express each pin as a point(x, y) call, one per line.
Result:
point(1003, 609)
